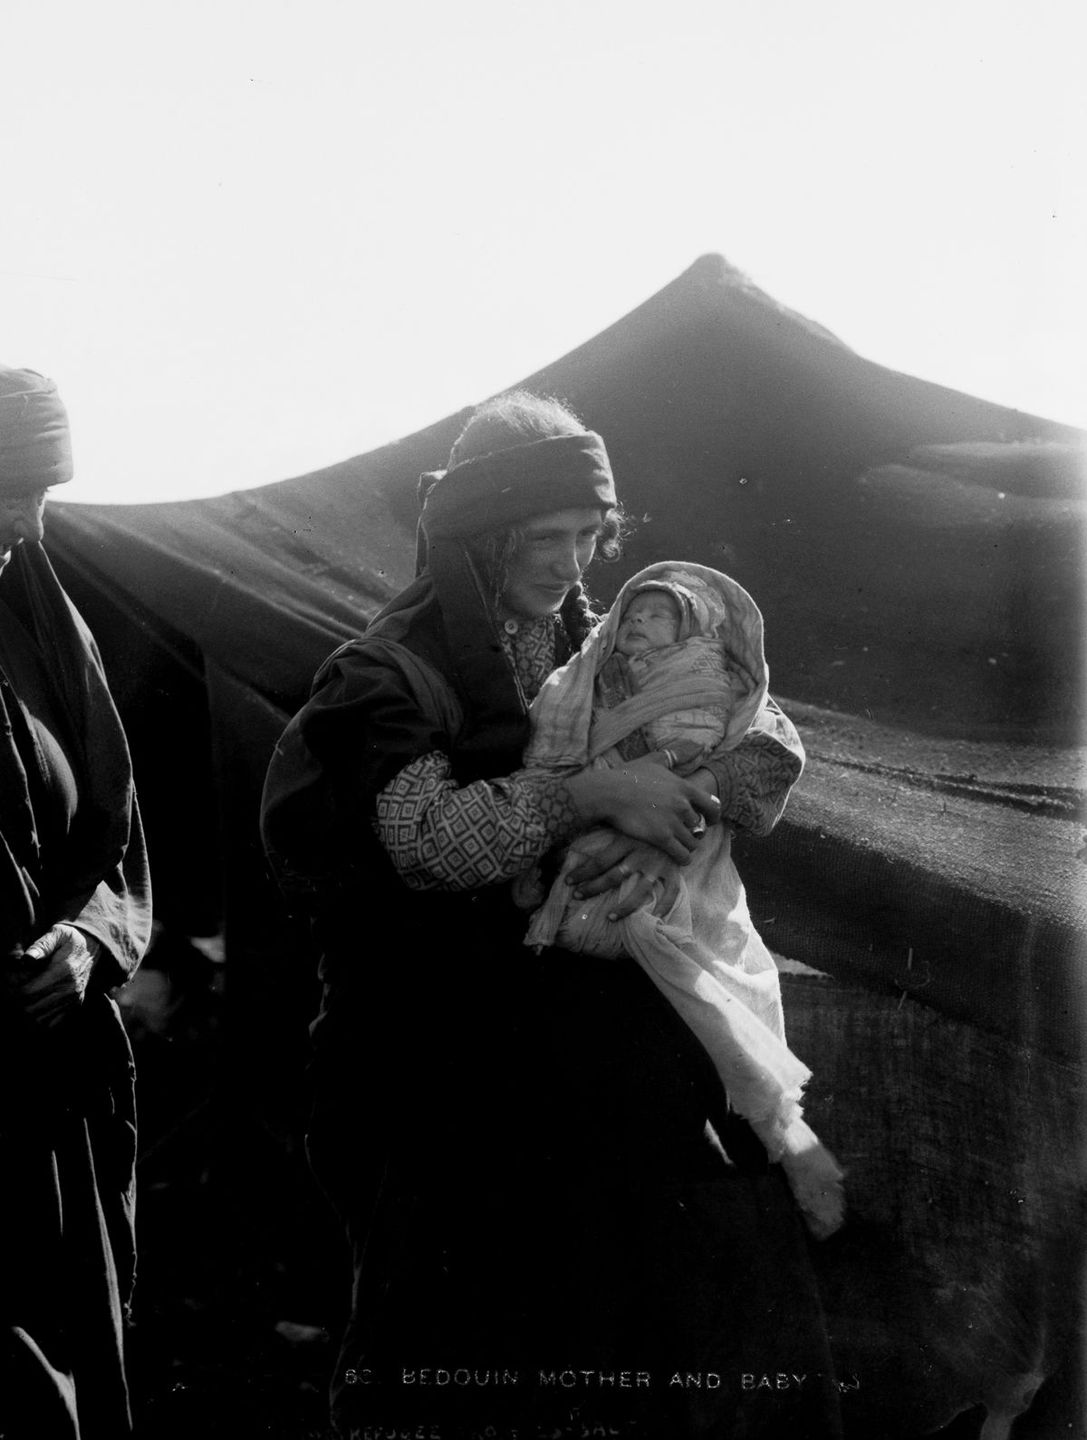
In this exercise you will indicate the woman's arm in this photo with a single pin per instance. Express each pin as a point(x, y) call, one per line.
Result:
point(441, 836)
point(371, 752)
point(753, 780)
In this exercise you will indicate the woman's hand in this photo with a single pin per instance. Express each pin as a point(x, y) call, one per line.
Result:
point(621, 858)
point(646, 802)
point(54, 974)
point(706, 781)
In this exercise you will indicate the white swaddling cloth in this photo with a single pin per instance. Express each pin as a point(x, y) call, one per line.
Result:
point(704, 954)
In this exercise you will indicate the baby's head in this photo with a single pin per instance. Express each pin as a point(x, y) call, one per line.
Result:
point(651, 619)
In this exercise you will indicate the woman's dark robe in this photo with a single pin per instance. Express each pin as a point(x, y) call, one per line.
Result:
point(525, 1149)
point(71, 849)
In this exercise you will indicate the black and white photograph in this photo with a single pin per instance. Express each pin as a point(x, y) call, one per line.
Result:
point(542, 721)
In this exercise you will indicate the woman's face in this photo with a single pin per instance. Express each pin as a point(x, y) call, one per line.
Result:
point(21, 518)
point(555, 549)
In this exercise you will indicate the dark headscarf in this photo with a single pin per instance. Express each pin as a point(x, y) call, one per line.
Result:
point(444, 619)
point(488, 493)
point(491, 492)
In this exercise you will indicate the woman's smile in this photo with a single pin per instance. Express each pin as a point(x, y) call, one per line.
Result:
point(555, 548)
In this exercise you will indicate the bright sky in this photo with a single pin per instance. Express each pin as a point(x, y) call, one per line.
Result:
point(252, 237)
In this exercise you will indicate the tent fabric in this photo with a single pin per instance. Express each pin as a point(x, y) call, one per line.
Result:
point(956, 1152)
point(945, 870)
point(917, 556)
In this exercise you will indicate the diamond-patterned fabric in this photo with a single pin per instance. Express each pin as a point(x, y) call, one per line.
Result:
point(531, 649)
point(444, 837)
point(754, 779)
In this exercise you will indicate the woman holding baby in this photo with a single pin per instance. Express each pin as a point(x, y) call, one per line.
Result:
point(535, 1158)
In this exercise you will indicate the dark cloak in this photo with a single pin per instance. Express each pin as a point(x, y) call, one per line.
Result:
point(71, 849)
point(524, 1148)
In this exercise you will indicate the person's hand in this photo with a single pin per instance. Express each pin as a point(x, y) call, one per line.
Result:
point(54, 974)
point(621, 858)
point(644, 801)
point(680, 757)
point(706, 781)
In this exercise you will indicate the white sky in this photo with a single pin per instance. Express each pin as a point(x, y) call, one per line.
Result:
point(252, 237)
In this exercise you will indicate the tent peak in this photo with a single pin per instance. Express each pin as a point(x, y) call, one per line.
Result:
point(712, 277)
point(713, 266)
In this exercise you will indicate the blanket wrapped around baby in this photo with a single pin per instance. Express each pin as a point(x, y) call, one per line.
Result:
point(704, 954)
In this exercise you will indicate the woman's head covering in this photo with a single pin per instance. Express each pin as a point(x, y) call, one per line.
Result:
point(506, 487)
point(490, 492)
point(35, 448)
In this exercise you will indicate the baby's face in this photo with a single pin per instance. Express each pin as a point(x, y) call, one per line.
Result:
point(649, 621)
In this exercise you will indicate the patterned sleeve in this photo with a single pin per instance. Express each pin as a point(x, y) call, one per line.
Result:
point(443, 837)
point(754, 779)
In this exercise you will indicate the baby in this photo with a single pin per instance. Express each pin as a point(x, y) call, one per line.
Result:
point(677, 671)
point(650, 620)
point(653, 620)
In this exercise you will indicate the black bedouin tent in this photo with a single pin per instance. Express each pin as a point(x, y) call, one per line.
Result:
point(918, 556)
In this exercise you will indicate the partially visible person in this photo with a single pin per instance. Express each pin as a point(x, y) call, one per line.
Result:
point(677, 673)
point(75, 918)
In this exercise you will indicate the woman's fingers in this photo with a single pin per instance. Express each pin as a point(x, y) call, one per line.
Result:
point(691, 802)
point(660, 891)
point(708, 806)
point(685, 834)
point(690, 826)
point(610, 879)
point(604, 862)
point(678, 846)
point(617, 862)
point(633, 899)
point(646, 803)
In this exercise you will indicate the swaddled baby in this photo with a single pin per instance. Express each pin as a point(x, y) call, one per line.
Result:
point(677, 671)
point(648, 649)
